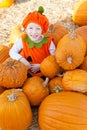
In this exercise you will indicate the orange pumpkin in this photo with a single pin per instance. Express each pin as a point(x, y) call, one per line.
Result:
point(84, 64)
point(55, 85)
point(6, 3)
point(63, 111)
point(70, 51)
point(57, 32)
point(82, 31)
point(80, 13)
point(75, 80)
point(35, 91)
point(15, 110)
point(2, 89)
point(12, 73)
point(16, 33)
point(4, 53)
point(49, 67)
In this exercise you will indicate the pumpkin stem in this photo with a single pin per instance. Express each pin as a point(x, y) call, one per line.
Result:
point(45, 82)
point(10, 63)
point(69, 60)
point(41, 10)
point(57, 89)
point(12, 97)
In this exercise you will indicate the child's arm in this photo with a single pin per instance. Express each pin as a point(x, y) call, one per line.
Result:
point(14, 53)
point(25, 62)
point(16, 48)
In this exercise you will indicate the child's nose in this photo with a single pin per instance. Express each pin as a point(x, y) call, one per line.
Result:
point(34, 31)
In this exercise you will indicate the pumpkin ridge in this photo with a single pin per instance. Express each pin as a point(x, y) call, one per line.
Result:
point(66, 106)
point(56, 120)
point(62, 123)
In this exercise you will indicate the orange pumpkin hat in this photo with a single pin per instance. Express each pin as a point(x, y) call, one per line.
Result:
point(38, 18)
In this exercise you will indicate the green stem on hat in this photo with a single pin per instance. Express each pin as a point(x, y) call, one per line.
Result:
point(40, 9)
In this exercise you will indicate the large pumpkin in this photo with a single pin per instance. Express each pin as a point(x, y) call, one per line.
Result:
point(63, 111)
point(75, 80)
point(80, 13)
point(49, 67)
point(16, 33)
point(13, 73)
point(70, 51)
point(15, 110)
point(57, 32)
point(35, 91)
point(6, 3)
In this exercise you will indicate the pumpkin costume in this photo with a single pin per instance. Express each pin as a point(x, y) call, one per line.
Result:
point(35, 54)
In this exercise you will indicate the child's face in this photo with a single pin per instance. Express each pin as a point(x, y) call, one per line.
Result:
point(34, 31)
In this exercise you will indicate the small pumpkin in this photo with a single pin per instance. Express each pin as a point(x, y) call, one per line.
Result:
point(80, 13)
point(49, 67)
point(35, 90)
point(56, 31)
point(55, 85)
point(16, 33)
point(15, 110)
point(63, 111)
point(70, 51)
point(13, 73)
point(75, 80)
point(6, 3)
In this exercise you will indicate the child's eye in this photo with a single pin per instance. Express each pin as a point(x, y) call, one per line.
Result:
point(38, 28)
point(30, 27)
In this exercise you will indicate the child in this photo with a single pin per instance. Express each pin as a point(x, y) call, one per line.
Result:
point(32, 48)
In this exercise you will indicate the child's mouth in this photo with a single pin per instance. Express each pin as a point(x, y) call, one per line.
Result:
point(34, 36)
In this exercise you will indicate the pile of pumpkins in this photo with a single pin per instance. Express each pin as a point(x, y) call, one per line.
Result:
point(62, 100)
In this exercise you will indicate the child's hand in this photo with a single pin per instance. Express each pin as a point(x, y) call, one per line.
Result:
point(35, 68)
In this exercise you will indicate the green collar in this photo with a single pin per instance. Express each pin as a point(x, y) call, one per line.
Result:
point(32, 44)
